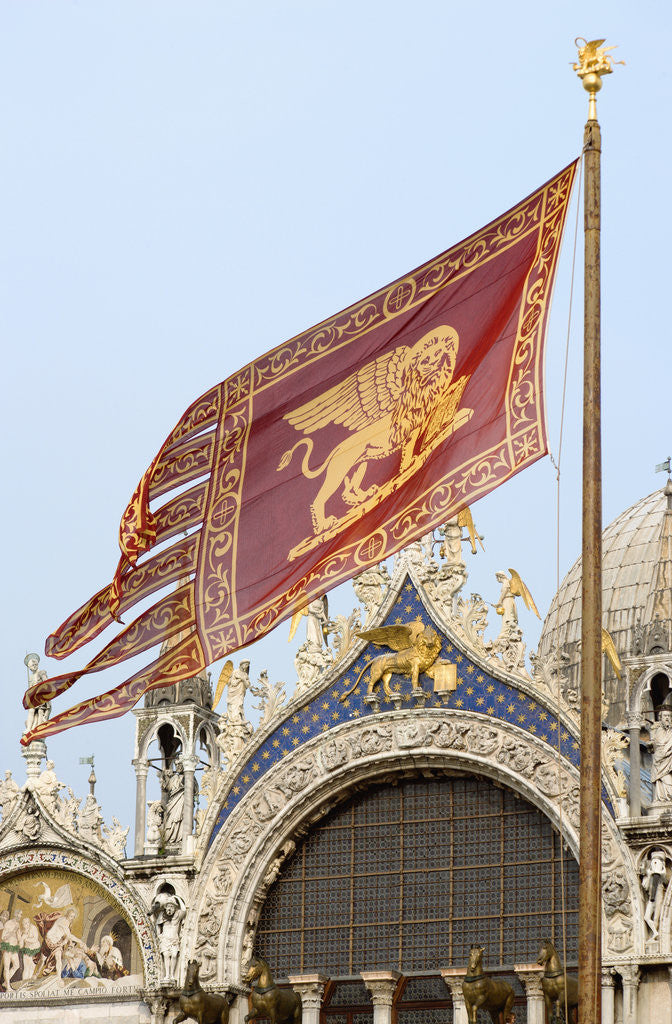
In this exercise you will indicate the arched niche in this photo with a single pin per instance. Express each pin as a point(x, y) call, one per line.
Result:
point(168, 734)
point(650, 690)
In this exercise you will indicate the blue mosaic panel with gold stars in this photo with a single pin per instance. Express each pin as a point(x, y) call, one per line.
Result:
point(476, 690)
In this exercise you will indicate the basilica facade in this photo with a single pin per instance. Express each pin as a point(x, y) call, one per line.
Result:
point(416, 795)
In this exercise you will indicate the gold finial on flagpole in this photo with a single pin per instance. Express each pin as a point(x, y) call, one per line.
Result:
point(594, 61)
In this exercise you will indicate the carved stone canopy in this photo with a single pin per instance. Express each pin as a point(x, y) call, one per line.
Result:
point(196, 690)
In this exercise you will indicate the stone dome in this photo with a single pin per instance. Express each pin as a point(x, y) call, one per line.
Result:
point(636, 595)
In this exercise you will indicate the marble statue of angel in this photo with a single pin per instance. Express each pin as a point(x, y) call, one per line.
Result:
point(512, 587)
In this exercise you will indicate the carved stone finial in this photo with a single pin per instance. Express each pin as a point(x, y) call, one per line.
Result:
point(370, 588)
point(114, 838)
point(271, 698)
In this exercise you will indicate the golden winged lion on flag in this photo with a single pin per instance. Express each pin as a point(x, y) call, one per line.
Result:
point(405, 401)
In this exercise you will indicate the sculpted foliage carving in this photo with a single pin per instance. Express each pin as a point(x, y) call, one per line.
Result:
point(482, 740)
point(518, 756)
point(615, 893)
point(335, 753)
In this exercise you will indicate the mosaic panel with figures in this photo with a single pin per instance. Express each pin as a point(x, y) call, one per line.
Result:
point(409, 876)
point(60, 931)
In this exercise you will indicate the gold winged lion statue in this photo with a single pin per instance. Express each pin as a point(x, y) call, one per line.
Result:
point(404, 401)
point(416, 647)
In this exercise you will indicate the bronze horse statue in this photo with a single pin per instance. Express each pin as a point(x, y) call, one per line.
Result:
point(195, 1002)
point(280, 1005)
point(553, 985)
point(484, 993)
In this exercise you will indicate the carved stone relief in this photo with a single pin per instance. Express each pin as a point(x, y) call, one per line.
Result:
point(613, 746)
point(321, 768)
point(38, 811)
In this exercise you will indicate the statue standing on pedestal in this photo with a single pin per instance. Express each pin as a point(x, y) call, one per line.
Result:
point(509, 644)
point(9, 794)
point(48, 786)
point(314, 655)
point(90, 819)
point(661, 770)
point(654, 880)
point(40, 714)
point(234, 728)
point(172, 785)
point(317, 621)
point(237, 687)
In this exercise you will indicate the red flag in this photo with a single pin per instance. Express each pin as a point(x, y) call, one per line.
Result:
point(328, 454)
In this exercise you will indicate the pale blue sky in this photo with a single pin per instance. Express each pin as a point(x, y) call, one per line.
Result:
point(187, 184)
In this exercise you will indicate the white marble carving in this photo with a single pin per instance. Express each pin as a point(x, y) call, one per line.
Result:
point(9, 794)
point(168, 911)
point(40, 714)
point(506, 753)
point(90, 820)
point(114, 839)
point(370, 589)
point(655, 878)
point(661, 770)
point(47, 786)
point(172, 789)
point(234, 730)
point(271, 698)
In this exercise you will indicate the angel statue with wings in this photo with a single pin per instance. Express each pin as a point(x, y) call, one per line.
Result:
point(506, 606)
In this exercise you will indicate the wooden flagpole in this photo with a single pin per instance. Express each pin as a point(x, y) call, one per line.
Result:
point(592, 64)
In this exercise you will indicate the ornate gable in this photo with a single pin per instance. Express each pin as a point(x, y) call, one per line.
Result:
point(474, 678)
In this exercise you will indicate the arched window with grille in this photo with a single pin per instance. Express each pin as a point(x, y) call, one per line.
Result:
point(408, 876)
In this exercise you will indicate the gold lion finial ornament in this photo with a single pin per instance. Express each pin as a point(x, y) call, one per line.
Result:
point(594, 61)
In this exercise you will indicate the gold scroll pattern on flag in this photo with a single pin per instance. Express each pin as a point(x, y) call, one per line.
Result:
point(306, 466)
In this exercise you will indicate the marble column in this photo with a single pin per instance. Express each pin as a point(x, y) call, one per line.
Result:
point(530, 975)
point(158, 1008)
point(239, 1008)
point(382, 986)
point(189, 764)
point(634, 723)
point(608, 983)
point(33, 754)
point(453, 977)
point(311, 989)
point(630, 978)
point(141, 768)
